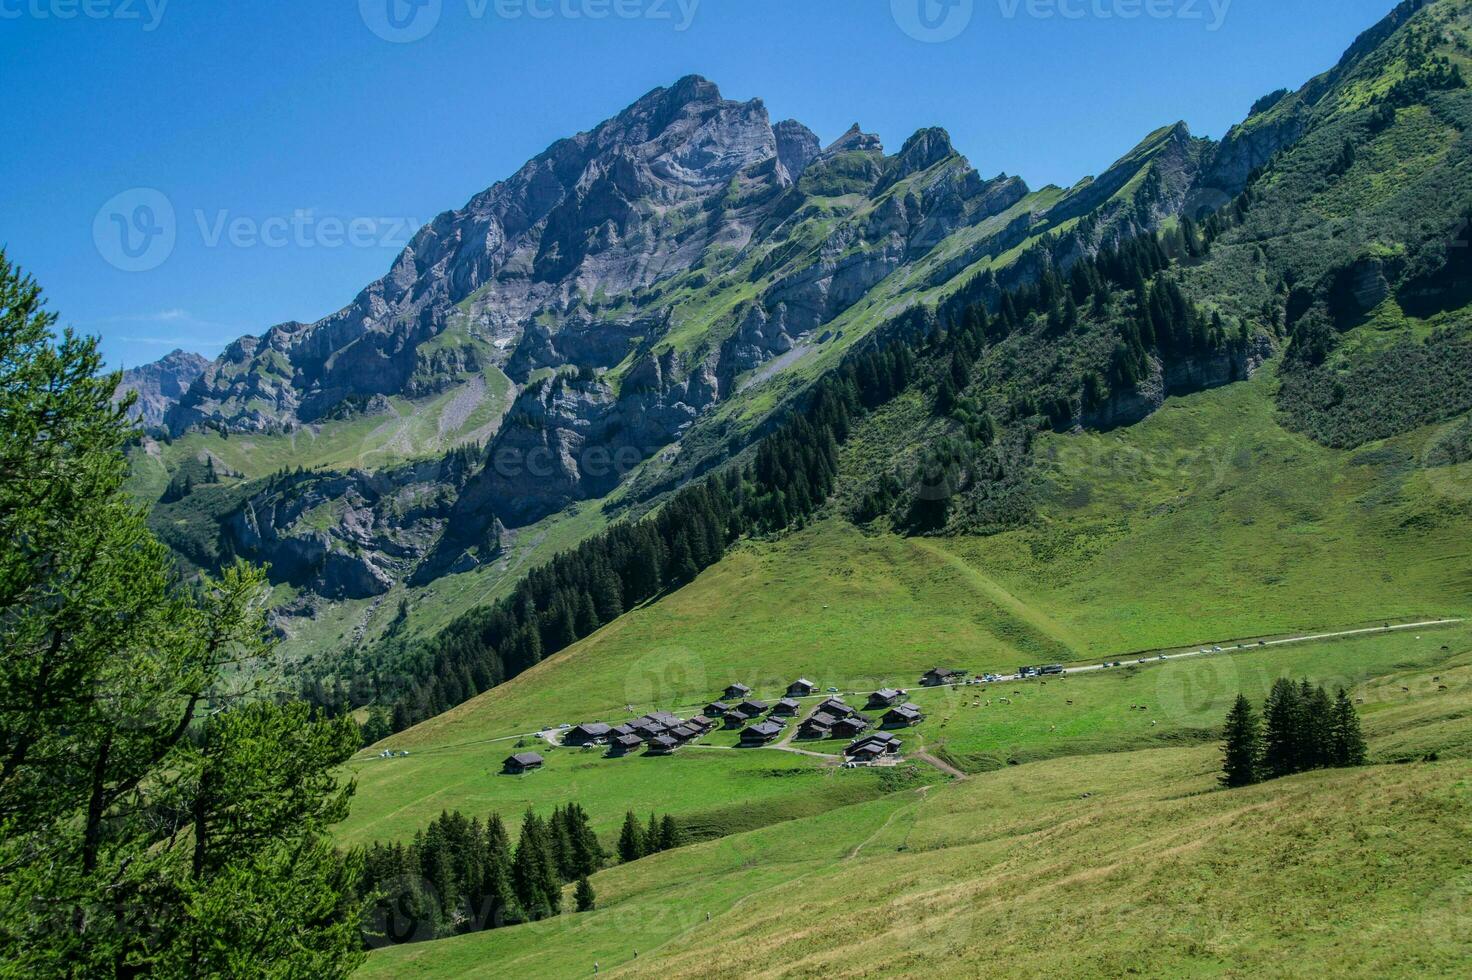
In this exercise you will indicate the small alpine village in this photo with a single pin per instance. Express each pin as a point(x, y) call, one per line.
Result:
point(761, 724)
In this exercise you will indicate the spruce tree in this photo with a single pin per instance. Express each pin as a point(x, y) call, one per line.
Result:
point(1347, 741)
point(585, 897)
point(1242, 753)
point(651, 836)
point(1316, 733)
point(1283, 712)
point(499, 902)
point(669, 833)
point(529, 870)
point(630, 839)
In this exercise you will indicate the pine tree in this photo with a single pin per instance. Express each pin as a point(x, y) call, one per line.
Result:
point(1283, 712)
point(1243, 749)
point(651, 836)
point(1347, 741)
point(500, 896)
point(532, 871)
point(585, 897)
point(1316, 733)
point(669, 833)
point(630, 839)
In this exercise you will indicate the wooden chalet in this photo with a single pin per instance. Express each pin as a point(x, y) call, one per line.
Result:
point(785, 708)
point(522, 762)
point(903, 716)
point(837, 707)
point(662, 745)
point(940, 676)
point(817, 725)
point(736, 692)
point(624, 744)
point(735, 718)
point(761, 734)
point(752, 707)
point(716, 708)
point(801, 688)
point(850, 727)
point(888, 743)
point(883, 699)
point(586, 734)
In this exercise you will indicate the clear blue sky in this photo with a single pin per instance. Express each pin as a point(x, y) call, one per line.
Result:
point(259, 110)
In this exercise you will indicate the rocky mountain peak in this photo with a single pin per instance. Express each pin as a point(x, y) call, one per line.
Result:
point(160, 385)
point(854, 139)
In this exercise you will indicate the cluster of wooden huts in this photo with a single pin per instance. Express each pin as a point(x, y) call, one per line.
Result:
point(760, 723)
point(660, 732)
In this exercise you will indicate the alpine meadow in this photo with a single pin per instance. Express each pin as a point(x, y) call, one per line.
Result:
point(716, 550)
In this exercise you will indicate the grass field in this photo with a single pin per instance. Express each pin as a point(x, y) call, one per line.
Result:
point(1104, 865)
point(713, 791)
point(1210, 520)
point(1090, 838)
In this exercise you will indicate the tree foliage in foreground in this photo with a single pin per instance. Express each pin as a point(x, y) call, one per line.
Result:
point(152, 819)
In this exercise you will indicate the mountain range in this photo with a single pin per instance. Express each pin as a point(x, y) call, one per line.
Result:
point(641, 304)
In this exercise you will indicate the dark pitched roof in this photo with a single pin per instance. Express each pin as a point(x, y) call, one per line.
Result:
point(629, 741)
point(820, 720)
point(593, 729)
point(525, 759)
point(752, 707)
point(618, 730)
point(663, 743)
point(717, 708)
point(701, 721)
point(737, 691)
point(664, 718)
point(684, 732)
point(765, 731)
point(787, 706)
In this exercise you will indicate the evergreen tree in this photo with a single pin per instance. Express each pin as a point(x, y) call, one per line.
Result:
point(119, 738)
point(630, 839)
point(585, 897)
point(533, 871)
point(1243, 749)
point(669, 833)
point(1316, 736)
point(1347, 741)
point(651, 836)
point(1282, 750)
point(499, 901)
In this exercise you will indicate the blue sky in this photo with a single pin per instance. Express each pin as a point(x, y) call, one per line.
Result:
point(297, 147)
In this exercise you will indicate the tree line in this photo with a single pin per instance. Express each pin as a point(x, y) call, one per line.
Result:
point(460, 875)
point(1301, 729)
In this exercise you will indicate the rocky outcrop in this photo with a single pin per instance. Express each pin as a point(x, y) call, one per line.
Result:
point(160, 385)
point(348, 535)
point(1135, 404)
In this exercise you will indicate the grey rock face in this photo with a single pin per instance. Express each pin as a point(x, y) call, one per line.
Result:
point(348, 535)
point(161, 385)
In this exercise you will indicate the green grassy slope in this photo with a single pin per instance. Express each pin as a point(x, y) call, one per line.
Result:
point(1131, 863)
point(1254, 531)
